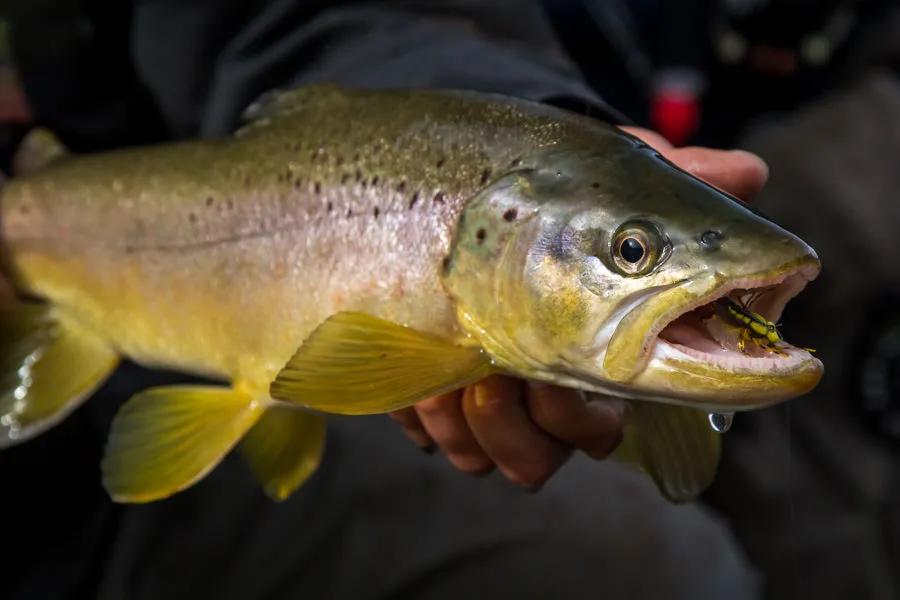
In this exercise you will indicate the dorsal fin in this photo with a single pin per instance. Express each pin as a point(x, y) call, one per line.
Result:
point(40, 147)
point(278, 104)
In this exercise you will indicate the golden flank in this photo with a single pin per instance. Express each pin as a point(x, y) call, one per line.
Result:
point(355, 252)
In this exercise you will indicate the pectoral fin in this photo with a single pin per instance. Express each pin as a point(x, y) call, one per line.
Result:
point(356, 364)
point(164, 439)
point(284, 448)
point(674, 445)
point(48, 366)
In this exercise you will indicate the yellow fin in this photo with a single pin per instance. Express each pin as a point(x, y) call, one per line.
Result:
point(165, 439)
point(356, 364)
point(47, 368)
point(284, 448)
point(39, 148)
point(675, 445)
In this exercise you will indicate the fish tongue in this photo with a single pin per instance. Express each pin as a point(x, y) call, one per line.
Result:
point(688, 330)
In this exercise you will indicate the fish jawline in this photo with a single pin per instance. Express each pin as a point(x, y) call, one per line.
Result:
point(780, 289)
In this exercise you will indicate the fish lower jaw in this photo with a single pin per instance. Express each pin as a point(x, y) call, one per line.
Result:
point(790, 359)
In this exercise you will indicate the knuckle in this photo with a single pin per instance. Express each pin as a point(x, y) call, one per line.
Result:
point(602, 447)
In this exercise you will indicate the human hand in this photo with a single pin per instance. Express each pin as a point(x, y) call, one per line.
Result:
point(528, 429)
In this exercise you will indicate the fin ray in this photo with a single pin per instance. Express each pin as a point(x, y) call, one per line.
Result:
point(165, 439)
point(674, 445)
point(284, 448)
point(48, 366)
point(356, 364)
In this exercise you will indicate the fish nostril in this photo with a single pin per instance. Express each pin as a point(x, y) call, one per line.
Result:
point(711, 239)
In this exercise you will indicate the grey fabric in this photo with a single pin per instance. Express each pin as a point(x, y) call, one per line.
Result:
point(383, 520)
point(232, 55)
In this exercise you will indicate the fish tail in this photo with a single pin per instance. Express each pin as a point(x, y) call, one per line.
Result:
point(49, 365)
point(163, 440)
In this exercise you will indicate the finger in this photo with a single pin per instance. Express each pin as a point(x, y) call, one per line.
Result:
point(495, 410)
point(413, 428)
point(735, 171)
point(594, 427)
point(649, 137)
point(443, 420)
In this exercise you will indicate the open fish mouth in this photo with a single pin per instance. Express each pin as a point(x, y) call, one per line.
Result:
point(702, 332)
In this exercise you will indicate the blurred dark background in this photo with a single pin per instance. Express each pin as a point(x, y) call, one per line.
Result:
point(810, 489)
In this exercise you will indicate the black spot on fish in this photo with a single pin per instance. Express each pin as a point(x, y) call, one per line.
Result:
point(338, 160)
point(485, 176)
point(445, 264)
point(480, 235)
point(510, 215)
point(318, 187)
point(329, 207)
point(345, 178)
point(358, 176)
point(349, 213)
point(229, 204)
point(413, 200)
point(516, 162)
point(596, 185)
point(439, 198)
point(401, 187)
point(376, 211)
point(356, 157)
point(192, 217)
point(209, 201)
point(440, 162)
point(375, 181)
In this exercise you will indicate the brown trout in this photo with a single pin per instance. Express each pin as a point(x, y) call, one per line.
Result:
point(355, 252)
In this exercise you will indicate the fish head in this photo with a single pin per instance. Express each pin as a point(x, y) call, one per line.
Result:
point(601, 270)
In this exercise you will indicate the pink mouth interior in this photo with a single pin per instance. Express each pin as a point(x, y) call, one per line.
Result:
point(708, 333)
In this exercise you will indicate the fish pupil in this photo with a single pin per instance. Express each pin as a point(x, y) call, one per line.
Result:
point(631, 250)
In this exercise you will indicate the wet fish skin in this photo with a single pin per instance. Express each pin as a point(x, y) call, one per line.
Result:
point(348, 204)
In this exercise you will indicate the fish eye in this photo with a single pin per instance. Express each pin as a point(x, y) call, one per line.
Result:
point(636, 248)
point(632, 249)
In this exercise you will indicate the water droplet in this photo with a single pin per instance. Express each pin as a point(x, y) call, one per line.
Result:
point(721, 422)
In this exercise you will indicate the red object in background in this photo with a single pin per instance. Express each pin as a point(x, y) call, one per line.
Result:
point(675, 113)
point(13, 106)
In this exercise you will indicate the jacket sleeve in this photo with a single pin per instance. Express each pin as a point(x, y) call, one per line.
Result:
point(504, 46)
